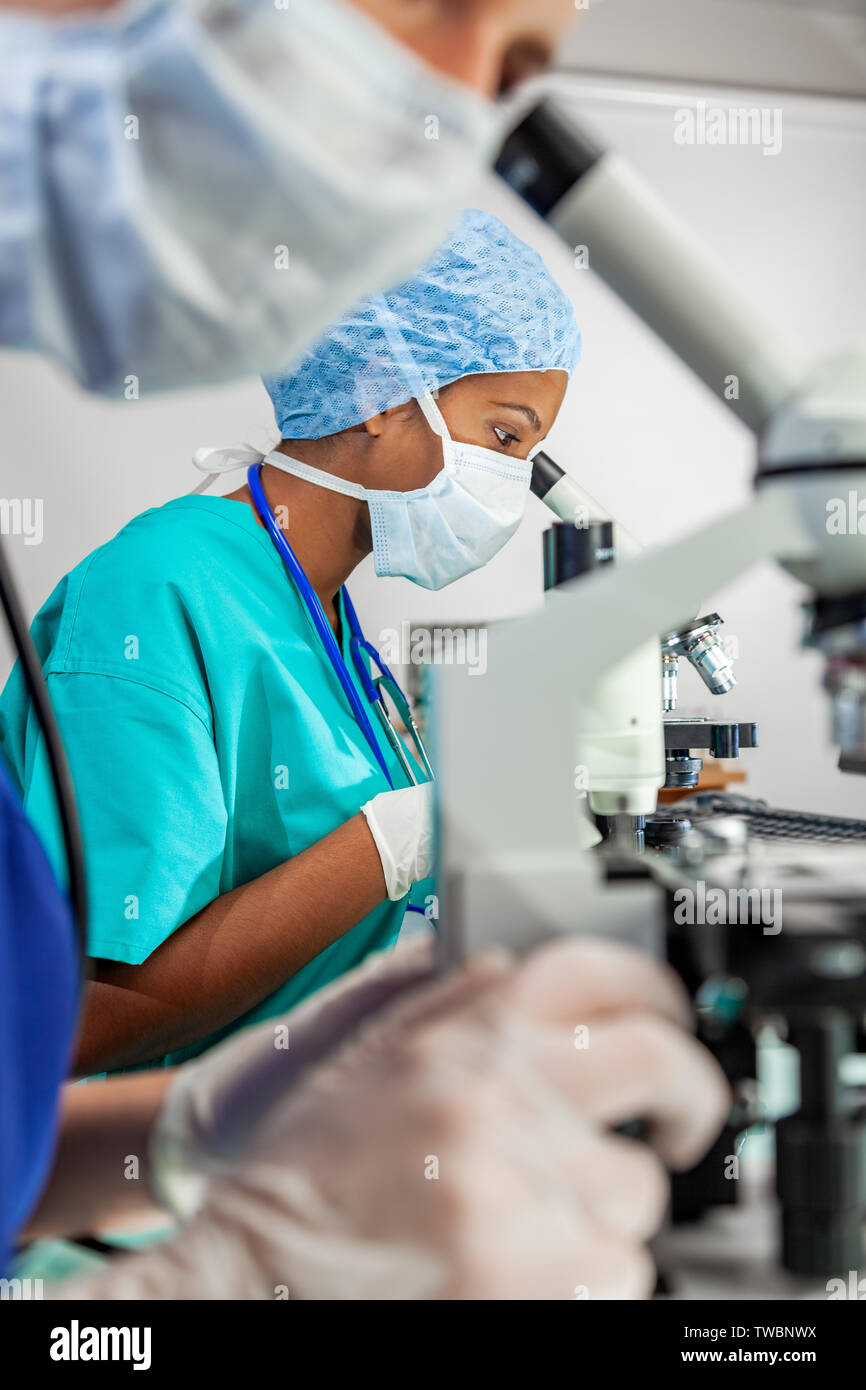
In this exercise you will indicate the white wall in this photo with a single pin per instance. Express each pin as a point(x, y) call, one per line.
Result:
point(795, 45)
point(648, 440)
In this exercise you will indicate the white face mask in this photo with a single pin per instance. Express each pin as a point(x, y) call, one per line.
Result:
point(291, 160)
point(441, 532)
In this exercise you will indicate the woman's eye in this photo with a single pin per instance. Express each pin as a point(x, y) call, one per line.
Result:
point(505, 439)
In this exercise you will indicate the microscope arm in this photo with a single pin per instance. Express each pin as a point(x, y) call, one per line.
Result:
point(543, 670)
point(510, 864)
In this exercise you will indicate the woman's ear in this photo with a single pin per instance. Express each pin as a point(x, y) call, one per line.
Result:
point(375, 426)
point(394, 420)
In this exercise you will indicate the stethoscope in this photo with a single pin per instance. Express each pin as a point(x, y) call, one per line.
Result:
point(375, 687)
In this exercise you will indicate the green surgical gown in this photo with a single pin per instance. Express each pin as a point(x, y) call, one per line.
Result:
point(207, 732)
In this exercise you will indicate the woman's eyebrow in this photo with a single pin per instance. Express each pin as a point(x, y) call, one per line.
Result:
point(524, 409)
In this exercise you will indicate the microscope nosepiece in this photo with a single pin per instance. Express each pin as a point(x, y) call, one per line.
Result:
point(711, 661)
point(701, 645)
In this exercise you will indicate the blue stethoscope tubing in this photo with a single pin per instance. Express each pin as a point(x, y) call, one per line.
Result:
point(358, 645)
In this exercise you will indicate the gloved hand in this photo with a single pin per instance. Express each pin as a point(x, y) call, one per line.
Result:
point(215, 1102)
point(401, 823)
point(459, 1146)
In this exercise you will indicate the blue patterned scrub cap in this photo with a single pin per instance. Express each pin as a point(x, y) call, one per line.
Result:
point(485, 302)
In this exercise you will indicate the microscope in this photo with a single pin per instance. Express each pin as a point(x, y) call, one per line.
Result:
point(583, 696)
point(577, 543)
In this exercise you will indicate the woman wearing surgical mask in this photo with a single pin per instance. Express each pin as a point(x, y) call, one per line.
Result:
point(247, 840)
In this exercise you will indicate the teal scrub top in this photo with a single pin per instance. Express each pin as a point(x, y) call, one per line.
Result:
point(207, 732)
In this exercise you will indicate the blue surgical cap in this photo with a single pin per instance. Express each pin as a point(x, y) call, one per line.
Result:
point(486, 302)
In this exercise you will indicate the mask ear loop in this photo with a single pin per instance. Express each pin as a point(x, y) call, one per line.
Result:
point(433, 415)
point(286, 464)
point(409, 370)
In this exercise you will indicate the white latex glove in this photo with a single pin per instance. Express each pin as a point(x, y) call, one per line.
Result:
point(401, 823)
point(459, 1147)
point(211, 1108)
